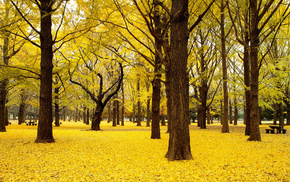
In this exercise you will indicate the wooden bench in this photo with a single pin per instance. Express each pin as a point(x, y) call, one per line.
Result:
point(31, 123)
point(269, 130)
point(283, 131)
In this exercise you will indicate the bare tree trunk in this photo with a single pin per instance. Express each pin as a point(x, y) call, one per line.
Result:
point(21, 113)
point(179, 140)
point(114, 112)
point(231, 112)
point(138, 104)
point(64, 113)
point(168, 103)
point(109, 112)
point(56, 106)
point(254, 36)
point(44, 131)
point(246, 61)
point(88, 117)
point(225, 128)
point(4, 81)
point(281, 115)
point(84, 115)
point(118, 110)
point(288, 105)
point(148, 106)
point(97, 118)
point(236, 110)
point(134, 112)
point(123, 106)
point(275, 114)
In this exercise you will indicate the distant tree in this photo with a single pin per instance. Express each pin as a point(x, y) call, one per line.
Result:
point(103, 97)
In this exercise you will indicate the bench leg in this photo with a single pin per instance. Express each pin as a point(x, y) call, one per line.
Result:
point(272, 131)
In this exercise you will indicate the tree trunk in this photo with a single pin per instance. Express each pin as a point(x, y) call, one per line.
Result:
point(56, 106)
point(246, 62)
point(88, 117)
point(4, 81)
point(231, 112)
point(281, 115)
point(139, 104)
point(287, 105)
point(225, 127)
point(97, 118)
point(109, 112)
point(155, 126)
point(21, 113)
point(275, 114)
point(114, 112)
point(118, 110)
point(179, 139)
point(168, 102)
point(134, 112)
point(44, 131)
point(84, 115)
point(123, 106)
point(235, 111)
point(148, 106)
point(64, 113)
point(254, 49)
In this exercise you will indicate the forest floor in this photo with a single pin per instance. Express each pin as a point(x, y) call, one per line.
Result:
point(126, 153)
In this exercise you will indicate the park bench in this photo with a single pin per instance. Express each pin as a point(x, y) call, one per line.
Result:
point(269, 130)
point(282, 131)
point(31, 123)
point(278, 128)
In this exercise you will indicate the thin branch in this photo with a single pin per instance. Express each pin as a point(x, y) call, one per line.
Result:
point(18, 10)
point(200, 17)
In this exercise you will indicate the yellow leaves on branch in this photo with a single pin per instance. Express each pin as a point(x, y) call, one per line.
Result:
point(128, 154)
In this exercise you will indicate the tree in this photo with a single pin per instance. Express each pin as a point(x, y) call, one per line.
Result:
point(103, 97)
point(8, 51)
point(46, 9)
point(225, 128)
point(256, 27)
point(179, 140)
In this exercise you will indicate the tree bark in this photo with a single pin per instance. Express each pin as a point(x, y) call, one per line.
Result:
point(44, 131)
point(138, 104)
point(246, 61)
point(56, 106)
point(88, 117)
point(225, 127)
point(179, 139)
point(230, 112)
point(114, 112)
point(118, 110)
point(254, 37)
point(109, 112)
point(148, 119)
point(123, 105)
point(168, 96)
point(97, 118)
point(287, 105)
point(21, 113)
point(4, 81)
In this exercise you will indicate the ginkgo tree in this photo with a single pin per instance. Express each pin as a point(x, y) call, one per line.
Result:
point(47, 27)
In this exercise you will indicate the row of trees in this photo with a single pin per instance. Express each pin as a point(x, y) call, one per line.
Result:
point(206, 56)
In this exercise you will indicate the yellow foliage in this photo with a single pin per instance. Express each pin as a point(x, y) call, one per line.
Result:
point(128, 154)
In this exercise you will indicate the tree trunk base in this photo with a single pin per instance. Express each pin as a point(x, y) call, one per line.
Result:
point(44, 141)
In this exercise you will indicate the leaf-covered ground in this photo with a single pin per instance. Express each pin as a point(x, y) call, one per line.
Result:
point(126, 153)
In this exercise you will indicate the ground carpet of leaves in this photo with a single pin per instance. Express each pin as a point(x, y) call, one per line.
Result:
point(126, 153)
